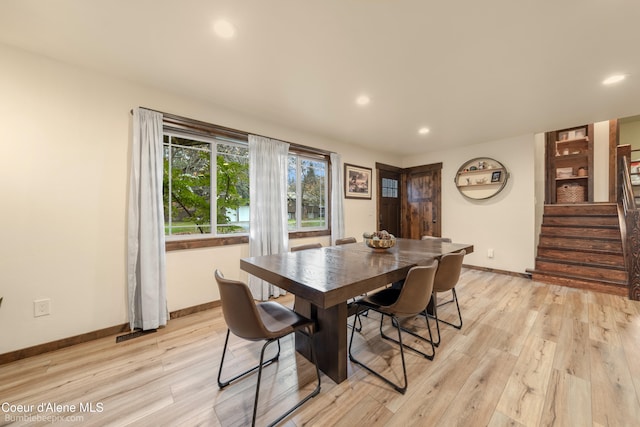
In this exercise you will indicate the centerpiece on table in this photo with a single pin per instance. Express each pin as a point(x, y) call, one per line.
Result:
point(379, 240)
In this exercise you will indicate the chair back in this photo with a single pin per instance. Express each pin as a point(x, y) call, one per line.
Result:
point(416, 291)
point(345, 240)
point(436, 239)
point(305, 247)
point(239, 309)
point(448, 272)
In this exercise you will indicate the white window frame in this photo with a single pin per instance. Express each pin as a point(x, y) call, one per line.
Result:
point(299, 157)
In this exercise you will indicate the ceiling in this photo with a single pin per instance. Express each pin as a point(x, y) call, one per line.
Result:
point(470, 71)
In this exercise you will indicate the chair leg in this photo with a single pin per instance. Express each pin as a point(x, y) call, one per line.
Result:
point(223, 384)
point(454, 299)
point(401, 389)
point(364, 313)
point(435, 312)
point(396, 323)
point(357, 316)
point(309, 396)
point(359, 321)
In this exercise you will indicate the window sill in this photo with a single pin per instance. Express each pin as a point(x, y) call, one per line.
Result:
point(178, 245)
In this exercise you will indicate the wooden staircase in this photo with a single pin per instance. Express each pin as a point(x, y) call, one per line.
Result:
point(581, 246)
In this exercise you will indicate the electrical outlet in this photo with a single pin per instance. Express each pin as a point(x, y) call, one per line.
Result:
point(41, 307)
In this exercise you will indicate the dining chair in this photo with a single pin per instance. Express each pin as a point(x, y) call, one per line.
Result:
point(446, 279)
point(345, 240)
point(436, 239)
point(265, 321)
point(305, 247)
point(410, 300)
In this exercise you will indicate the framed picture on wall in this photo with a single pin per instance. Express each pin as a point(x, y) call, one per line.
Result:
point(357, 182)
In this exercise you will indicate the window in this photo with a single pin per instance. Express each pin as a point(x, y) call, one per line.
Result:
point(194, 203)
point(206, 186)
point(389, 188)
point(307, 193)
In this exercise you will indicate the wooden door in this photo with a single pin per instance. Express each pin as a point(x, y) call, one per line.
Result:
point(423, 201)
point(389, 198)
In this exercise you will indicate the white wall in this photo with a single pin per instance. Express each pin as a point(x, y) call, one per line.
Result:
point(601, 162)
point(505, 222)
point(63, 185)
point(539, 180)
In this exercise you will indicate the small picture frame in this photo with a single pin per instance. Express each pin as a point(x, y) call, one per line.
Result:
point(495, 176)
point(357, 182)
point(580, 133)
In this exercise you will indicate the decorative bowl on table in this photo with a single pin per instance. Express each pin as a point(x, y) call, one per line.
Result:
point(379, 240)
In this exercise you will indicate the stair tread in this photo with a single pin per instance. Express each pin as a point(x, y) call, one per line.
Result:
point(577, 215)
point(581, 264)
point(579, 209)
point(613, 239)
point(535, 272)
point(582, 249)
point(607, 226)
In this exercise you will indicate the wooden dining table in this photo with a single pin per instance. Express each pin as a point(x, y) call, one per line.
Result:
point(323, 280)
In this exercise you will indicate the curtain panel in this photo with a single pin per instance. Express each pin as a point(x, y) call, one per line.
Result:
point(146, 276)
point(268, 208)
point(337, 198)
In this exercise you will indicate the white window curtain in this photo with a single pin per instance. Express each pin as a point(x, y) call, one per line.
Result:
point(337, 198)
point(268, 209)
point(145, 235)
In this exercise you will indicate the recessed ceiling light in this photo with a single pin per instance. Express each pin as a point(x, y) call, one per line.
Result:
point(616, 78)
point(423, 131)
point(363, 100)
point(224, 29)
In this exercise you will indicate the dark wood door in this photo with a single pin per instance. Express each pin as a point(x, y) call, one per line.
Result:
point(423, 201)
point(389, 198)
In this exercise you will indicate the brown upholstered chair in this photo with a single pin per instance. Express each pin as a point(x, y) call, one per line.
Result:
point(410, 300)
point(437, 239)
point(266, 321)
point(305, 247)
point(446, 280)
point(346, 240)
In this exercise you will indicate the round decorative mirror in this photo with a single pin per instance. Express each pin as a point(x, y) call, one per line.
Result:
point(481, 178)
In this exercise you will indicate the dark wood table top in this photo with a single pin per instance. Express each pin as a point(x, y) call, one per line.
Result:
point(332, 275)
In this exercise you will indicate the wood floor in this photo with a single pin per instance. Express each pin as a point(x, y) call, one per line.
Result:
point(529, 354)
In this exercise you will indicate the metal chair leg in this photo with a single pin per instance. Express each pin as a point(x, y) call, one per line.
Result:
point(260, 366)
point(401, 389)
point(309, 396)
point(429, 340)
point(454, 299)
point(357, 315)
point(222, 384)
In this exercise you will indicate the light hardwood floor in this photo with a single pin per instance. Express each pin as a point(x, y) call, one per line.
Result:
point(529, 354)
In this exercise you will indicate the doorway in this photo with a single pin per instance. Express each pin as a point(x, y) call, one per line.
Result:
point(389, 198)
point(423, 201)
point(409, 200)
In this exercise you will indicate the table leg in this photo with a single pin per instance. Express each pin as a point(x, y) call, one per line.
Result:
point(330, 338)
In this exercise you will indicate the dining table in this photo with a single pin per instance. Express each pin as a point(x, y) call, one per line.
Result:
point(325, 279)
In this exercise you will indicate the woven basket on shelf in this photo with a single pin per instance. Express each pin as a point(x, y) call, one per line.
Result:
point(570, 193)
